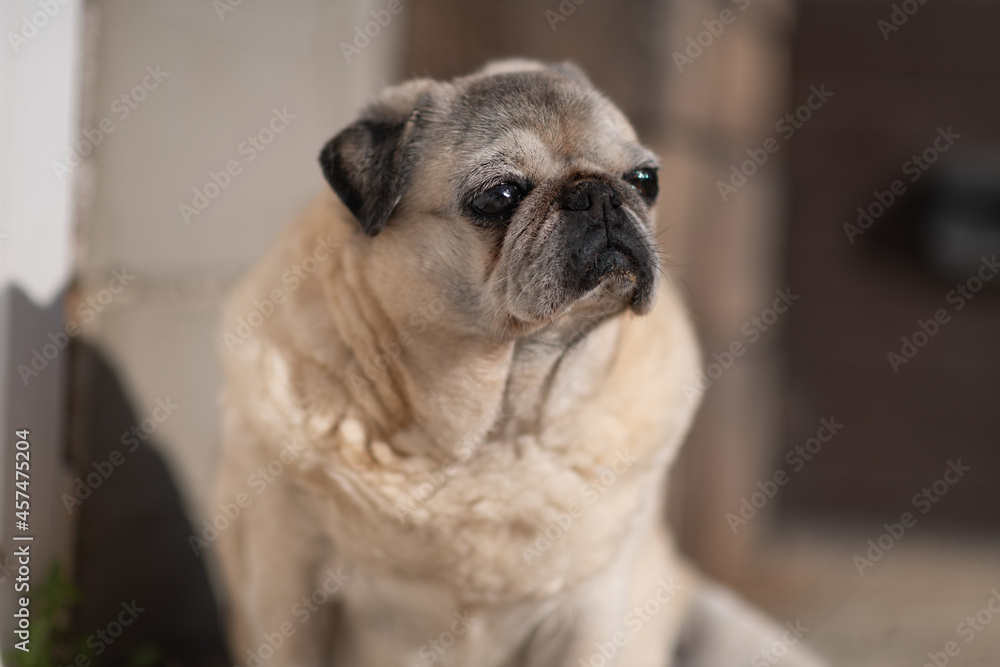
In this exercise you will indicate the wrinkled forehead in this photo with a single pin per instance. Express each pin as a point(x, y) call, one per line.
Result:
point(537, 124)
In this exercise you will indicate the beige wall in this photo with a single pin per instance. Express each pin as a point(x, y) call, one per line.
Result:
point(220, 78)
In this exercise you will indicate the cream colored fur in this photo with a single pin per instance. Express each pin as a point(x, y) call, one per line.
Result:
point(435, 488)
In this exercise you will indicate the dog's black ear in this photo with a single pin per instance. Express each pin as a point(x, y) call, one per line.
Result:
point(368, 163)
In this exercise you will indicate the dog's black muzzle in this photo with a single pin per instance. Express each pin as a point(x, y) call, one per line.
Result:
point(604, 242)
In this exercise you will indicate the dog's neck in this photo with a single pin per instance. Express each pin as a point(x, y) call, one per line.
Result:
point(463, 388)
point(538, 360)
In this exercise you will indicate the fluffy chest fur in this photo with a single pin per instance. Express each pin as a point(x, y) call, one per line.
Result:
point(484, 476)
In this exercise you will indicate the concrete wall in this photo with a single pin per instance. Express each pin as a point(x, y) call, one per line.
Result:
point(202, 125)
point(184, 86)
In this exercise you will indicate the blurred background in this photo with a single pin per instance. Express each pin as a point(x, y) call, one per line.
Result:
point(830, 200)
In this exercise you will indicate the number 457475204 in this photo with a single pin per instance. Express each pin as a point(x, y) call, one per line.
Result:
point(22, 468)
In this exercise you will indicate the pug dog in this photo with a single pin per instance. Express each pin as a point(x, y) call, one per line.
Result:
point(448, 425)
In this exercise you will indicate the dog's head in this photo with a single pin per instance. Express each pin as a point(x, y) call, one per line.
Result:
point(520, 189)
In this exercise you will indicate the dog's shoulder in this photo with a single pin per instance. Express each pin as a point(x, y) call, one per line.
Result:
point(278, 344)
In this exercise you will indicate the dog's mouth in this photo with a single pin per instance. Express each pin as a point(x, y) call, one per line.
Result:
point(621, 274)
point(603, 283)
point(614, 263)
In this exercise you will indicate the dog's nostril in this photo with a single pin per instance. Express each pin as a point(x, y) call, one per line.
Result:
point(576, 202)
point(582, 196)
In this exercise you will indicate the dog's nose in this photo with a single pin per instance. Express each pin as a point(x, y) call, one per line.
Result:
point(584, 195)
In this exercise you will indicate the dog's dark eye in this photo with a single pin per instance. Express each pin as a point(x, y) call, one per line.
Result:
point(499, 201)
point(645, 181)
